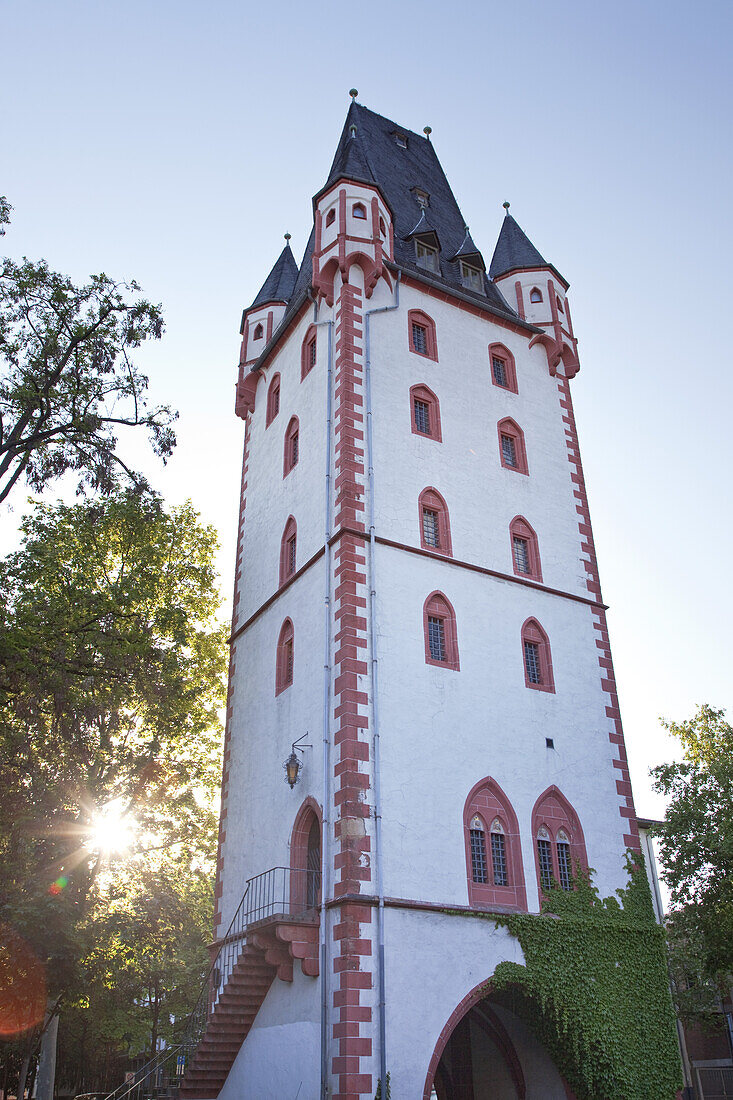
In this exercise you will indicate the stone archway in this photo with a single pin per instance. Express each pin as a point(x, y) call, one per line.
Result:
point(486, 1052)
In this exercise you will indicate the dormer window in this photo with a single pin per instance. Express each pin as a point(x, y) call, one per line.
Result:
point(401, 139)
point(422, 197)
point(427, 257)
point(331, 216)
point(472, 277)
point(359, 210)
point(259, 332)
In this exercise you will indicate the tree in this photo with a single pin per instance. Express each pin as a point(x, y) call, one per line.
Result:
point(696, 851)
point(111, 680)
point(68, 382)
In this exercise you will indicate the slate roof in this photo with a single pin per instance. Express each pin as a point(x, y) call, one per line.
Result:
point(280, 283)
point(515, 250)
point(397, 172)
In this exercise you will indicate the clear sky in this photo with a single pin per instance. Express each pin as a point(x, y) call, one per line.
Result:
point(176, 142)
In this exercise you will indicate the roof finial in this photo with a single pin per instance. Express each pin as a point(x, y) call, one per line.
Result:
point(352, 130)
point(287, 238)
point(427, 130)
point(353, 92)
point(506, 206)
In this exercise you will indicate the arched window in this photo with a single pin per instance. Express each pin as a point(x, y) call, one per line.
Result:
point(331, 216)
point(425, 413)
point(258, 333)
point(503, 367)
point(559, 304)
point(285, 659)
point(525, 549)
point(305, 858)
point(512, 449)
point(273, 400)
point(308, 352)
point(537, 658)
point(535, 294)
point(559, 840)
point(359, 210)
point(288, 547)
point(441, 636)
point(382, 227)
point(493, 849)
point(421, 334)
point(434, 522)
point(291, 451)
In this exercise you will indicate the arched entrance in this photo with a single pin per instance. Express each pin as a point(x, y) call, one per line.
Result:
point(486, 1052)
point(305, 858)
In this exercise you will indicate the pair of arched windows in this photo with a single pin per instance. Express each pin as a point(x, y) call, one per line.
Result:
point(493, 849)
point(441, 643)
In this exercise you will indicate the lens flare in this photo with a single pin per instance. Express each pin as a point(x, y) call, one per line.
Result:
point(22, 985)
point(112, 829)
point(60, 884)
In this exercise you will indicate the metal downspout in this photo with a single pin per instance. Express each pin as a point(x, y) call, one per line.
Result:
point(326, 807)
point(374, 686)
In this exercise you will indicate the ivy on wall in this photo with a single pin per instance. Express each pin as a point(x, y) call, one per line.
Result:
point(595, 989)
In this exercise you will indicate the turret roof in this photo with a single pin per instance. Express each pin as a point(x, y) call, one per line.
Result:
point(515, 252)
point(280, 283)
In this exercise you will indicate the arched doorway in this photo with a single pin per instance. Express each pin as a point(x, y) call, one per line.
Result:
point(305, 859)
point(487, 1052)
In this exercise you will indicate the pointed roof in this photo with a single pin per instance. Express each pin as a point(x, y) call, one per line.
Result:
point(468, 248)
point(400, 169)
point(514, 250)
point(280, 283)
point(423, 229)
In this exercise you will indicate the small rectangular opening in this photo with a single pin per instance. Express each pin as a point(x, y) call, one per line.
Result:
point(550, 742)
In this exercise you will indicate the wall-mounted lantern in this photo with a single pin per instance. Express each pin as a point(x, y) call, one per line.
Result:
point(293, 764)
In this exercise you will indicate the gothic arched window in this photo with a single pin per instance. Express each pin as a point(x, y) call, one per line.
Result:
point(537, 657)
point(425, 413)
point(291, 449)
point(525, 549)
point(285, 657)
point(559, 841)
point(434, 522)
point(493, 849)
point(535, 294)
point(421, 334)
point(308, 352)
point(503, 367)
point(273, 400)
point(441, 636)
point(288, 548)
point(512, 449)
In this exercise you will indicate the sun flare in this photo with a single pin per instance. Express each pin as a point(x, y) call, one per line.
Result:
point(112, 829)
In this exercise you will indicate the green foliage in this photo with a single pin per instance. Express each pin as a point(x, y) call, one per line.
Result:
point(111, 680)
point(594, 987)
point(388, 1090)
point(68, 382)
point(696, 851)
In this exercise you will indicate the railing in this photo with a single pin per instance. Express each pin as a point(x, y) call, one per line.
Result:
point(281, 892)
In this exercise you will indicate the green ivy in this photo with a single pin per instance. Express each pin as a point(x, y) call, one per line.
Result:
point(595, 989)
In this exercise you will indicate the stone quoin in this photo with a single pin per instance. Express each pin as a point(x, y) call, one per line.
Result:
point(417, 592)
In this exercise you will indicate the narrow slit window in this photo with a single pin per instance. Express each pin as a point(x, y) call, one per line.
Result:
point(290, 558)
point(312, 353)
point(430, 527)
point(293, 449)
point(288, 551)
point(498, 855)
point(532, 662)
point(500, 375)
point(521, 555)
point(419, 338)
point(285, 663)
point(479, 868)
point(331, 217)
point(422, 416)
point(564, 865)
point(544, 856)
point(436, 638)
point(509, 451)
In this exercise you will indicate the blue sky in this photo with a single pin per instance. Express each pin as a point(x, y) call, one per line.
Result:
point(176, 143)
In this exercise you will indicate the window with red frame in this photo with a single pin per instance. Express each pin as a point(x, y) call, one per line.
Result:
point(441, 637)
point(425, 413)
point(331, 216)
point(359, 210)
point(285, 660)
point(273, 400)
point(503, 367)
point(434, 522)
point(308, 352)
point(291, 449)
point(288, 546)
point(537, 657)
point(559, 841)
point(525, 549)
point(493, 849)
point(258, 333)
point(512, 449)
point(421, 334)
point(535, 294)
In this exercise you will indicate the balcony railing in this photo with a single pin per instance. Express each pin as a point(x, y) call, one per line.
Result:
point(278, 894)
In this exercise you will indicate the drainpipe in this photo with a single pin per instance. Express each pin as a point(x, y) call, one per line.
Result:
point(375, 697)
point(326, 813)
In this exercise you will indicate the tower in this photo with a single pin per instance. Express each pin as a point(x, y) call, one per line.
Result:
point(419, 632)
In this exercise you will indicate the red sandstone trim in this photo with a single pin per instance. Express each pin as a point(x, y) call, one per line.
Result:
point(553, 810)
point(419, 317)
point(519, 528)
point(593, 583)
point(439, 606)
point(509, 427)
point(430, 498)
point(424, 393)
point(445, 295)
point(533, 632)
point(500, 351)
point(489, 801)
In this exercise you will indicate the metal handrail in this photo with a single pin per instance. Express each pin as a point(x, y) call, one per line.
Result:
point(279, 892)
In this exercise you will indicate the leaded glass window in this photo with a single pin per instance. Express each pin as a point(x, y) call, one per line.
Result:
point(498, 854)
point(436, 638)
point(479, 869)
point(532, 662)
point(430, 529)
